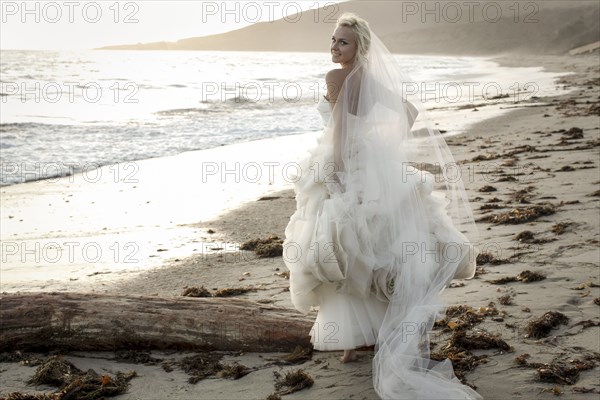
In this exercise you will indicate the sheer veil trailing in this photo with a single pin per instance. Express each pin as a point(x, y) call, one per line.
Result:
point(388, 174)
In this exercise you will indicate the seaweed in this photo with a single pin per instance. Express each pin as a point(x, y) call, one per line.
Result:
point(203, 365)
point(557, 371)
point(136, 357)
point(233, 371)
point(293, 381)
point(529, 276)
point(524, 276)
point(529, 238)
point(19, 356)
point(478, 340)
point(300, 355)
point(541, 327)
point(233, 291)
point(464, 317)
point(486, 257)
point(561, 227)
point(196, 292)
point(272, 246)
point(74, 383)
point(573, 133)
point(502, 281)
point(519, 215)
point(505, 300)
point(487, 188)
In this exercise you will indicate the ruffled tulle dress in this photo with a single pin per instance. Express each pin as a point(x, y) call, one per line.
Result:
point(317, 249)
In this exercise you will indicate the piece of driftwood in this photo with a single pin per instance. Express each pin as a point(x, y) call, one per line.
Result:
point(97, 322)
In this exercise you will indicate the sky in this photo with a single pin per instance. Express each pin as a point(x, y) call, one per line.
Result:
point(76, 25)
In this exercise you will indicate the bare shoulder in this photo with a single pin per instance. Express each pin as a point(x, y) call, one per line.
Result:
point(334, 80)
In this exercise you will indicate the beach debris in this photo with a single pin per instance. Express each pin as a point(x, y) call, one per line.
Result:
point(203, 365)
point(530, 276)
point(284, 274)
point(597, 301)
point(465, 317)
point(478, 340)
point(505, 300)
point(458, 347)
point(269, 198)
point(541, 327)
point(529, 238)
point(21, 357)
point(585, 285)
point(234, 291)
point(523, 196)
point(581, 389)
point(225, 292)
point(565, 168)
point(292, 381)
point(487, 188)
point(485, 257)
point(196, 292)
point(485, 157)
point(136, 357)
point(573, 133)
point(524, 276)
point(233, 371)
point(492, 206)
point(594, 194)
point(272, 246)
point(210, 231)
point(300, 355)
point(502, 281)
point(557, 371)
point(561, 227)
point(74, 383)
point(520, 215)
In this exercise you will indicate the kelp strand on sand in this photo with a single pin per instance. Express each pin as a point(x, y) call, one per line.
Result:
point(206, 364)
point(292, 381)
point(225, 292)
point(541, 327)
point(74, 383)
point(524, 276)
point(272, 246)
point(458, 320)
point(558, 370)
point(519, 215)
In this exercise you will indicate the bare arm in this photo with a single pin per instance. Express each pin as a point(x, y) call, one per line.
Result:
point(334, 80)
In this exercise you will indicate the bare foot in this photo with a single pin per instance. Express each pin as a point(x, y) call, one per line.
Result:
point(349, 355)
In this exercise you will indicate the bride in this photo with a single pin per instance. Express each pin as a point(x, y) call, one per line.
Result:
point(381, 222)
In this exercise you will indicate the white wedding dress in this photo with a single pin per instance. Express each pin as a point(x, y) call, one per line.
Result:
point(344, 320)
point(376, 237)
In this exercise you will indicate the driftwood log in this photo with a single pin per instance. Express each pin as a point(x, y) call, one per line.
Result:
point(96, 322)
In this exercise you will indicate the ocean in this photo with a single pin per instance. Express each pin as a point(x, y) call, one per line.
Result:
point(69, 111)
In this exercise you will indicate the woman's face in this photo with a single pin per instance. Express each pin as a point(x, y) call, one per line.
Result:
point(343, 46)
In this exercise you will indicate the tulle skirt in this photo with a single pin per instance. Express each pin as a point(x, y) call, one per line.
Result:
point(340, 246)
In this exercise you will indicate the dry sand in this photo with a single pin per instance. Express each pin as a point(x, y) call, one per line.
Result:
point(564, 173)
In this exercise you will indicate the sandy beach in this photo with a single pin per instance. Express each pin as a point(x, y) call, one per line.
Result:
point(539, 162)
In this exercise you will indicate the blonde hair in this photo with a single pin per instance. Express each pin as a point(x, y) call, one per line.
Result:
point(362, 33)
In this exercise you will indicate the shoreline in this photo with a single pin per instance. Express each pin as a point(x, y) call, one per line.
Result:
point(135, 233)
point(527, 160)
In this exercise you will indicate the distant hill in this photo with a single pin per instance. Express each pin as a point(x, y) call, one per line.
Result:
point(552, 27)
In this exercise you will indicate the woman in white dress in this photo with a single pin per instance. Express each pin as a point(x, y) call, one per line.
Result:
point(373, 243)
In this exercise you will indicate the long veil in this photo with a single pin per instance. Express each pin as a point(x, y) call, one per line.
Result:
point(387, 154)
point(394, 221)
